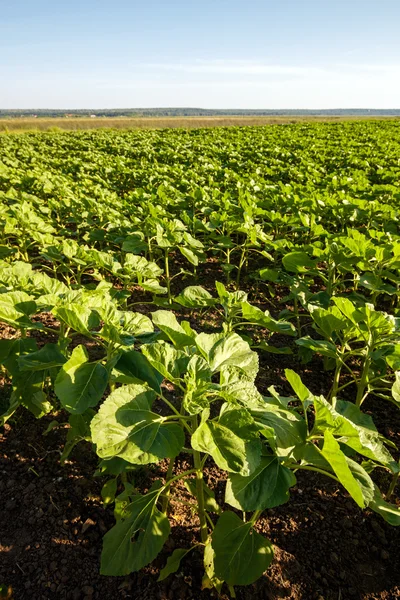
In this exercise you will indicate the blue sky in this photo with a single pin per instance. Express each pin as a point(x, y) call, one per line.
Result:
point(212, 54)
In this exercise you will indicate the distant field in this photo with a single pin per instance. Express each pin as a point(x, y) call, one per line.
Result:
point(72, 124)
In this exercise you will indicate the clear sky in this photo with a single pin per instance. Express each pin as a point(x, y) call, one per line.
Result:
point(211, 54)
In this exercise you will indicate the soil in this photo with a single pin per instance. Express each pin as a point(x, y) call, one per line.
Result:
point(52, 518)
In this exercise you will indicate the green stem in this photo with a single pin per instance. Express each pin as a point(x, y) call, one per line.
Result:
point(364, 378)
point(180, 476)
point(167, 277)
point(177, 413)
point(392, 486)
point(200, 489)
point(242, 257)
point(256, 514)
point(165, 498)
point(296, 312)
point(321, 471)
point(335, 386)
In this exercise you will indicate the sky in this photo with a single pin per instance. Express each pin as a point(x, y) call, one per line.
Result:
point(210, 54)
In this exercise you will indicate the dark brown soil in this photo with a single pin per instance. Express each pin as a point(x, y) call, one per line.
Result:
point(52, 518)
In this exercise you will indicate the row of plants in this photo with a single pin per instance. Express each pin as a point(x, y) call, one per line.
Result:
point(300, 218)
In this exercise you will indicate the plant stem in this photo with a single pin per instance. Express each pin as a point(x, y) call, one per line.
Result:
point(296, 312)
point(335, 386)
point(167, 277)
point(200, 489)
point(309, 468)
point(255, 516)
point(164, 505)
point(392, 486)
point(364, 376)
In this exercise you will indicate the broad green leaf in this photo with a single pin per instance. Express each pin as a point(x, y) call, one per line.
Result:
point(167, 322)
point(46, 358)
point(210, 580)
point(264, 319)
point(332, 453)
point(135, 365)
point(353, 428)
point(210, 503)
point(126, 428)
point(28, 390)
point(108, 491)
point(298, 262)
point(173, 562)
point(322, 346)
point(392, 357)
point(188, 253)
point(195, 296)
point(198, 384)
point(267, 487)
point(229, 451)
point(15, 309)
point(389, 512)
point(135, 541)
point(350, 311)
point(79, 384)
point(223, 350)
point(12, 350)
point(166, 359)
point(241, 554)
point(301, 391)
point(78, 431)
point(289, 427)
point(80, 318)
point(396, 388)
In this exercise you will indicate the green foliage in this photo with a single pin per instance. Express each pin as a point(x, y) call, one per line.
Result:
point(305, 219)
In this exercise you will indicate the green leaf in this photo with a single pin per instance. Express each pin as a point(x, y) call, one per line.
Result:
point(80, 318)
point(210, 580)
point(79, 430)
point(108, 491)
point(264, 319)
point(241, 554)
point(223, 350)
point(124, 428)
point(195, 296)
point(166, 359)
point(322, 346)
point(353, 428)
point(191, 256)
point(135, 365)
point(46, 358)
point(135, 541)
point(389, 512)
point(15, 309)
point(301, 391)
point(289, 427)
point(298, 262)
point(332, 453)
point(210, 503)
point(396, 388)
point(267, 487)
point(198, 384)
point(173, 562)
point(167, 322)
point(229, 451)
point(80, 384)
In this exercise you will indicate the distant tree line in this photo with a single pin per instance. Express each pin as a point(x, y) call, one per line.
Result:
point(192, 112)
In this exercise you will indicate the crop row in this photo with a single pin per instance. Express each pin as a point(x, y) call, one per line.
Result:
point(101, 233)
